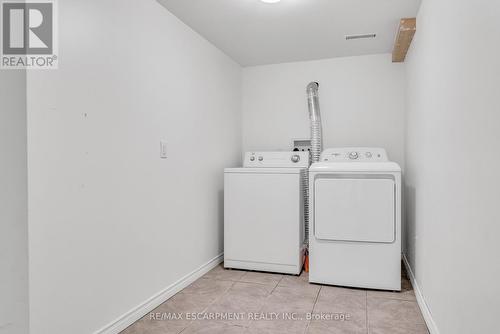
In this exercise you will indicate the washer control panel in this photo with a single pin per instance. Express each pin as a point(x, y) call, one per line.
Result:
point(276, 159)
point(354, 154)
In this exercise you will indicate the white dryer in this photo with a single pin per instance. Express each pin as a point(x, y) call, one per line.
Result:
point(355, 217)
point(264, 212)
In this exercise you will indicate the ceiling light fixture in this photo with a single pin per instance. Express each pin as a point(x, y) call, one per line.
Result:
point(270, 1)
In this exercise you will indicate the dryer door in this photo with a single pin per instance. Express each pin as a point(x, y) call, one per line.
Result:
point(354, 209)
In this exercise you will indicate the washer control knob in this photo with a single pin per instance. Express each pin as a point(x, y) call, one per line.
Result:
point(368, 154)
point(261, 158)
point(252, 158)
point(295, 158)
point(353, 155)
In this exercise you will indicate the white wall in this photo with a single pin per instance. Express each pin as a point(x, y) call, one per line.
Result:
point(13, 204)
point(111, 224)
point(453, 138)
point(362, 103)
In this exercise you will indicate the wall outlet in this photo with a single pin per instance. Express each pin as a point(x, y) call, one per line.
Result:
point(301, 145)
point(163, 150)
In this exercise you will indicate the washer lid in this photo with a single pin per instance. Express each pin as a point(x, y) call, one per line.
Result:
point(355, 167)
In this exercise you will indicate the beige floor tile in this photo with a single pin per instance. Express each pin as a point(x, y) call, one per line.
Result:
point(146, 325)
point(208, 287)
point(185, 302)
point(392, 313)
point(242, 299)
point(213, 327)
point(304, 291)
point(340, 303)
point(281, 326)
point(219, 273)
point(335, 327)
point(236, 303)
point(284, 299)
point(170, 317)
point(417, 329)
point(295, 281)
point(251, 289)
point(222, 292)
point(349, 303)
point(406, 292)
point(261, 278)
point(329, 292)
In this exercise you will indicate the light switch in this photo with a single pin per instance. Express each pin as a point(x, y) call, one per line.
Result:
point(163, 150)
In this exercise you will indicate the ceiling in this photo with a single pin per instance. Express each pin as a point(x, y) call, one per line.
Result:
point(255, 33)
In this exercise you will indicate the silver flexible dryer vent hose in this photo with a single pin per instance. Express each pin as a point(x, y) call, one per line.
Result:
point(316, 146)
point(315, 117)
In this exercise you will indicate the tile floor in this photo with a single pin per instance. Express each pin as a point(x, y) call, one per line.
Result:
point(254, 302)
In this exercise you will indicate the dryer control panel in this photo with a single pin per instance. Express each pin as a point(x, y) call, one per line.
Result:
point(276, 159)
point(354, 154)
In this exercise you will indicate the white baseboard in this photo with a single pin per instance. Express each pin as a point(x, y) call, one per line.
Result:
point(431, 325)
point(150, 304)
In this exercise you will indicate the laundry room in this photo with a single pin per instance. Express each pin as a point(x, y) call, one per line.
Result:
point(249, 166)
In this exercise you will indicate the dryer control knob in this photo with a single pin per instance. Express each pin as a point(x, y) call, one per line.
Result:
point(295, 158)
point(261, 158)
point(252, 158)
point(353, 155)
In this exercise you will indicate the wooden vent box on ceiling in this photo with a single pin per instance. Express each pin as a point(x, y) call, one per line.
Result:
point(406, 31)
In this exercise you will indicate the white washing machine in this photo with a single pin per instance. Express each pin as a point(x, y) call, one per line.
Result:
point(264, 212)
point(355, 216)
